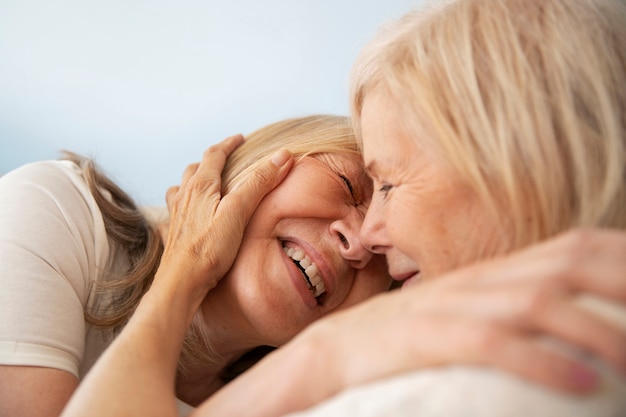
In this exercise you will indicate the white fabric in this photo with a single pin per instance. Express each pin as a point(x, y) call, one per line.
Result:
point(53, 247)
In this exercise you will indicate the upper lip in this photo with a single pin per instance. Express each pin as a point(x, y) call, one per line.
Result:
point(327, 273)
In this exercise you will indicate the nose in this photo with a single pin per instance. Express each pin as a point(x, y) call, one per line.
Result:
point(373, 234)
point(345, 231)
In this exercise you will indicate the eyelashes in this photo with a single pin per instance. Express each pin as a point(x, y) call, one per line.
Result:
point(350, 187)
point(385, 188)
point(348, 184)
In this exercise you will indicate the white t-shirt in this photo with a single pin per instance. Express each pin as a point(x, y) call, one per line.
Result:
point(53, 247)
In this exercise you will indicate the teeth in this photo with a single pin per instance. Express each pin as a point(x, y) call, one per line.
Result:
point(298, 255)
point(312, 272)
point(320, 289)
point(315, 283)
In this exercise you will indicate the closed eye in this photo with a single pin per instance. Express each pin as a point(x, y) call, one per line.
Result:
point(349, 185)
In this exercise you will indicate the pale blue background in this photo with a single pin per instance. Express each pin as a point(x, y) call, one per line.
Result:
point(144, 86)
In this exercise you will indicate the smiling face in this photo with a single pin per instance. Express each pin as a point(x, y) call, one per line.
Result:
point(423, 217)
point(309, 222)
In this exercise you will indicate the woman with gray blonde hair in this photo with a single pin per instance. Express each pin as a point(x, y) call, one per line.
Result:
point(497, 127)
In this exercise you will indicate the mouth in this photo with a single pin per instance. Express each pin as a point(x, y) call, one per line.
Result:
point(405, 277)
point(310, 271)
point(411, 280)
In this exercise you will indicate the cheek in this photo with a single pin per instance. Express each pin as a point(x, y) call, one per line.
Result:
point(370, 281)
point(407, 218)
point(430, 225)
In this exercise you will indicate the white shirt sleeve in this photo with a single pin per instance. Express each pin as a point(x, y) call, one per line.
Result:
point(53, 245)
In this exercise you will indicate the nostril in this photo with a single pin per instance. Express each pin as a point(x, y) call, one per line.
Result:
point(343, 239)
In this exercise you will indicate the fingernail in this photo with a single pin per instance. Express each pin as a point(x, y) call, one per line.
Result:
point(583, 377)
point(280, 157)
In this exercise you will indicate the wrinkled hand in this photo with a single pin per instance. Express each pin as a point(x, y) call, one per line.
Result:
point(205, 228)
point(493, 313)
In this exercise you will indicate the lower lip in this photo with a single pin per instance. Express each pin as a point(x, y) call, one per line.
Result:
point(298, 281)
point(414, 279)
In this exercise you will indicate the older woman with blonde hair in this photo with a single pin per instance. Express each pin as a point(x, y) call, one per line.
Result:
point(488, 126)
point(495, 133)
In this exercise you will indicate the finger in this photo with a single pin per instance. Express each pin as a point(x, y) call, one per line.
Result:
point(207, 179)
point(570, 322)
point(582, 243)
point(562, 316)
point(518, 353)
point(189, 172)
point(564, 264)
point(163, 231)
point(540, 308)
point(214, 157)
point(534, 362)
point(480, 342)
point(265, 178)
point(581, 261)
point(170, 195)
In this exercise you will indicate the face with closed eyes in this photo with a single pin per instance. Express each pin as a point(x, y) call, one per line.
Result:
point(301, 256)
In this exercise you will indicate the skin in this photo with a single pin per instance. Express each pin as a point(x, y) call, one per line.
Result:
point(495, 310)
point(263, 299)
point(34, 391)
point(312, 209)
point(423, 217)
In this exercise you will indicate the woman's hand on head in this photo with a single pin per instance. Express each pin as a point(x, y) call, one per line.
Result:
point(205, 229)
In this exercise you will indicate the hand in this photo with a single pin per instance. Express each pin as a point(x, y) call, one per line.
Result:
point(494, 313)
point(205, 228)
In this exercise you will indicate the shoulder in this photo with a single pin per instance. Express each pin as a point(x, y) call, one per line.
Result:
point(48, 211)
point(42, 174)
point(55, 186)
point(44, 181)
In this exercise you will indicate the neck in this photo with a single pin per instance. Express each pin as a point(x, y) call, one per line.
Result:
point(194, 388)
point(219, 334)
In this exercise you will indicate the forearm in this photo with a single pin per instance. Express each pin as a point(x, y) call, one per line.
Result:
point(136, 374)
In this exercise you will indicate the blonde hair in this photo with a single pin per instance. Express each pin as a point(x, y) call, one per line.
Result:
point(525, 99)
point(128, 226)
point(304, 136)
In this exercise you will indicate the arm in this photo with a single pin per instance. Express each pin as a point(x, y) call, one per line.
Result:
point(47, 256)
point(488, 314)
point(34, 391)
point(202, 241)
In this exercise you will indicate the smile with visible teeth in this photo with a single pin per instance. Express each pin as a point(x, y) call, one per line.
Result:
point(310, 271)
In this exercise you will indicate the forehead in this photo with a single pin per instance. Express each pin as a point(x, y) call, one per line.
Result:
point(383, 142)
point(350, 165)
point(341, 162)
